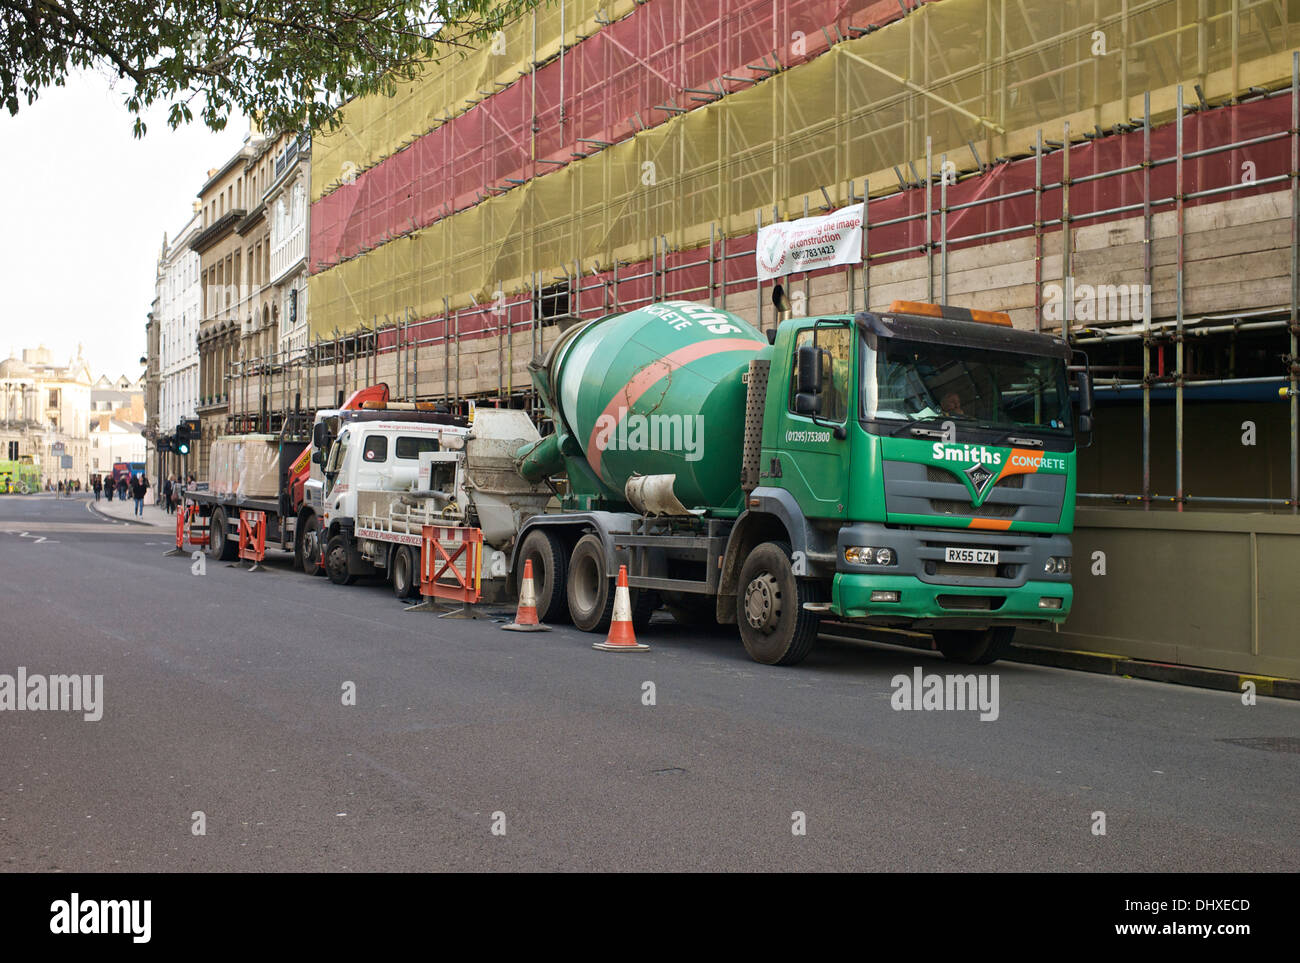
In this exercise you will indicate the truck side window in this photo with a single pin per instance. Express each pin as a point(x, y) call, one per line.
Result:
point(376, 448)
point(837, 353)
point(409, 446)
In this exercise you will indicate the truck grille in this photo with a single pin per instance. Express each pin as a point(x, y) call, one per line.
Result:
point(939, 475)
point(919, 489)
point(972, 603)
point(943, 506)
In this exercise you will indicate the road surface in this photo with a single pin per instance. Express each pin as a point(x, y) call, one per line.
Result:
point(470, 748)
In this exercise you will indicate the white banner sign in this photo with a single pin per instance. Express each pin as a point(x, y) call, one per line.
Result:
point(810, 243)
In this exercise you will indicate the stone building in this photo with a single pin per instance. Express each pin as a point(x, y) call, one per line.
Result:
point(43, 403)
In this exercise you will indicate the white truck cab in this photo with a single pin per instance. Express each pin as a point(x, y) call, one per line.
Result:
point(378, 456)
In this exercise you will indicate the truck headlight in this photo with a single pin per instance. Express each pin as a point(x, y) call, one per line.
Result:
point(866, 555)
point(1049, 603)
point(1057, 565)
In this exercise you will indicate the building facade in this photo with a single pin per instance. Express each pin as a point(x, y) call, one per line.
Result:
point(288, 212)
point(180, 302)
point(42, 404)
point(223, 206)
point(113, 441)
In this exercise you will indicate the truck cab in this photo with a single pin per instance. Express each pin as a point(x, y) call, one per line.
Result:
point(373, 455)
point(922, 461)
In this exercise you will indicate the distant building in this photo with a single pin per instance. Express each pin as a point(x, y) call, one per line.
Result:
point(112, 441)
point(43, 404)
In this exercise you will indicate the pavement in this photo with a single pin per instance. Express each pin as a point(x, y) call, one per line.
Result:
point(124, 511)
point(267, 721)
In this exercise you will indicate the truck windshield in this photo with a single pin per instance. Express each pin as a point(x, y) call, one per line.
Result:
point(915, 381)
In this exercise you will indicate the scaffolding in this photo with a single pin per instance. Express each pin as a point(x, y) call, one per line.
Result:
point(975, 79)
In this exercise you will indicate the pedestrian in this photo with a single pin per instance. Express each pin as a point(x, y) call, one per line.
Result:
point(97, 486)
point(122, 486)
point(167, 494)
point(139, 485)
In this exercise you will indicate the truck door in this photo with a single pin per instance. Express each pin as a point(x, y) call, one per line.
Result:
point(813, 462)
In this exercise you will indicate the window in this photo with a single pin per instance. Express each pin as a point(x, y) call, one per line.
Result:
point(411, 447)
point(376, 448)
point(836, 346)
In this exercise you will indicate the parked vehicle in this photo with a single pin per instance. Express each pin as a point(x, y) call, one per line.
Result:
point(908, 468)
point(914, 467)
point(21, 477)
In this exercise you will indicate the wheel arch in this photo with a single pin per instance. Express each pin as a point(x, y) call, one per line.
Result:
point(752, 529)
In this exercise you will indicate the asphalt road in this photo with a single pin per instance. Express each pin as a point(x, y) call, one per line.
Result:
point(222, 694)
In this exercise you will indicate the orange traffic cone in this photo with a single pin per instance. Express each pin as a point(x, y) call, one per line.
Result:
point(526, 615)
point(621, 638)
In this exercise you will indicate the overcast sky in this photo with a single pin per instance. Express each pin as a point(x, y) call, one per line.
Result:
point(84, 207)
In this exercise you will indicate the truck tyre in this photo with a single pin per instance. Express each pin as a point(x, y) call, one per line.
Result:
point(550, 570)
point(406, 573)
point(336, 561)
point(774, 625)
point(311, 546)
point(220, 546)
point(590, 589)
point(974, 646)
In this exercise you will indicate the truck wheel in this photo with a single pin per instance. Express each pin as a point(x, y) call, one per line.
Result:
point(774, 625)
point(220, 547)
point(311, 547)
point(336, 561)
point(550, 566)
point(974, 646)
point(590, 589)
point(406, 579)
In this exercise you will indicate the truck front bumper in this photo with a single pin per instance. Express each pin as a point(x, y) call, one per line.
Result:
point(928, 604)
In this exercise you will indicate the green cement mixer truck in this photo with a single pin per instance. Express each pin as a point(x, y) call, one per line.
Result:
point(908, 468)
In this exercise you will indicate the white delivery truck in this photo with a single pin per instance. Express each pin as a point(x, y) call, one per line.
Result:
point(382, 479)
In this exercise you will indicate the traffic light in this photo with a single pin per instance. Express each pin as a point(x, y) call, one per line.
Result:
point(186, 431)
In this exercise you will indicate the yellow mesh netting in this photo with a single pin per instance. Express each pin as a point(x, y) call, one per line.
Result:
point(960, 71)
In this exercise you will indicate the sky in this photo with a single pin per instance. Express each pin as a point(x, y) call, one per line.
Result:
point(83, 210)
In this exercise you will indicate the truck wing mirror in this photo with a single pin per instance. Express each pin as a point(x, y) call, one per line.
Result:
point(809, 363)
point(1085, 393)
point(808, 403)
point(319, 442)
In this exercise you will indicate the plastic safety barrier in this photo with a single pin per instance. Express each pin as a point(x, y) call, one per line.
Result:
point(190, 528)
point(252, 536)
point(454, 574)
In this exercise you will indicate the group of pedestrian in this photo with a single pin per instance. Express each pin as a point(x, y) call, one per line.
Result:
point(138, 485)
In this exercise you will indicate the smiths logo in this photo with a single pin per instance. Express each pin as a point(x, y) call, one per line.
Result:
point(980, 477)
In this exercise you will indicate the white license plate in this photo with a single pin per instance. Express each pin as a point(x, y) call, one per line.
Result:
point(971, 556)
